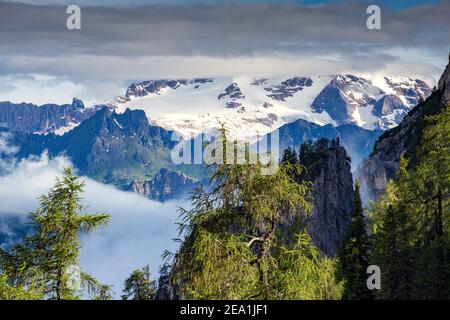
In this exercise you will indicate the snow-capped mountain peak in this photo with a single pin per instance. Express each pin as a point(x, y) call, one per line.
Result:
point(254, 106)
point(145, 88)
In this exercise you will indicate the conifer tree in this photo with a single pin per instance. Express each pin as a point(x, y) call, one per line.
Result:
point(304, 274)
point(13, 292)
point(432, 176)
point(139, 285)
point(231, 249)
point(290, 157)
point(410, 222)
point(49, 256)
point(164, 291)
point(354, 254)
point(431, 187)
point(393, 237)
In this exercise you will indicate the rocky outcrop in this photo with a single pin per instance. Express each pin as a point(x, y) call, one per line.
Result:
point(30, 118)
point(343, 95)
point(165, 185)
point(347, 95)
point(388, 104)
point(412, 91)
point(149, 87)
point(382, 164)
point(232, 92)
point(333, 194)
point(357, 141)
point(444, 84)
point(109, 147)
point(328, 170)
point(288, 88)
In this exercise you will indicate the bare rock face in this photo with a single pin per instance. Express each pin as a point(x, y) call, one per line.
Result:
point(383, 163)
point(30, 118)
point(333, 201)
point(288, 88)
point(388, 104)
point(444, 84)
point(344, 95)
point(150, 87)
point(165, 185)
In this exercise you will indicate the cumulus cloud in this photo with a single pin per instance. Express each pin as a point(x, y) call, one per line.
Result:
point(40, 89)
point(24, 87)
point(139, 230)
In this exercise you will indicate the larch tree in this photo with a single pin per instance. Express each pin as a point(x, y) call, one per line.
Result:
point(231, 248)
point(47, 260)
point(140, 285)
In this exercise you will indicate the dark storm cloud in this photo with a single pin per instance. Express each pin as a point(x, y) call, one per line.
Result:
point(228, 30)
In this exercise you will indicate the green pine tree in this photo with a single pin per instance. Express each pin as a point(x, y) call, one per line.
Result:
point(410, 222)
point(47, 261)
point(231, 248)
point(431, 187)
point(393, 237)
point(354, 254)
point(18, 292)
point(139, 285)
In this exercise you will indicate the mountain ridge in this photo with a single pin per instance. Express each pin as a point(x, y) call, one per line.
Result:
point(383, 162)
point(255, 106)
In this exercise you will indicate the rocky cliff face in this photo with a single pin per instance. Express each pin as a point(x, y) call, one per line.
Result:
point(165, 185)
point(108, 147)
point(388, 104)
point(288, 88)
point(382, 164)
point(333, 194)
point(444, 84)
point(157, 86)
point(347, 95)
point(328, 169)
point(344, 95)
point(30, 118)
point(357, 141)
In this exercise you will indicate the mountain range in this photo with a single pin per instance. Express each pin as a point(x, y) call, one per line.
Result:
point(127, 142)
point(383, 163)
point(250, 107)
point(30, 118)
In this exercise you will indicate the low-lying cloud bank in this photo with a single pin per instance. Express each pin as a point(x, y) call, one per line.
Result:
point(139, 230)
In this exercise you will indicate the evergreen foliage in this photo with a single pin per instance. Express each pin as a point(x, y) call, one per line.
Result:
point(411, 221)
point(231, 248)
point(46, 264)
point(139, 285)
point(354, 255)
